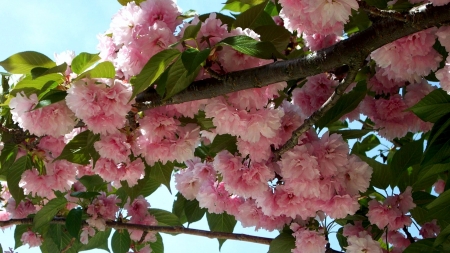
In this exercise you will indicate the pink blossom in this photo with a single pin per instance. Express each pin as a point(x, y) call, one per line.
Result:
point(397, 239)
point(443, 75)
point(299, 162)
point(355, 176)
point(362, 244)
point(250, 214)
point(53, 146)
point(213, 196)
point(139, 207)
point(439, 186)
point(55, 119)
point(331, 152)
point(430, 229)
point(318, 41)
point(355, 230)
point(162, 10)
point(86, 231)
point(133, 171)
point(103, 207)
point(114, 147)
point(22, 210)
point(148, 220)
point(341, 206)
point(32, 239)
point(443, 34)
point(308, 241)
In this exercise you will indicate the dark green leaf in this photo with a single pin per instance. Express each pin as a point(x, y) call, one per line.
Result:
point(98, 241)
point(40, 71)
point(153, 70)
point(24, 62)
point(380, 4)
point(221, 223)
point(352, 134)
point(93, 183)
point(381, 175)
point(162, 173)
point(422, 246)
point(83, 61)
point(224, 142)
point(438, 145)
point(422, 198)
point(442, 236)
point(419, 214)
point(178, 78)
point(18, 232)
point(102, 70)
point(51, 97)
point(193, 58)
point(204, 122)
point(121, 241)
point(441, 200)
point(80, 149)
point(73, 222)
point(369, 143)
point(347, 103)
point(158, 246)
point(15, 175)
point(178, 208)
point(401, 6)
point(164, 218)
point(254, 17)
point(193, 211)
point(275, 34)
point(359, 21)
point(7, 157)
point(48, 212)
point(150, 186)
point(408, 155)
point(85, 195)
point(283, 243)
point(433, 106)
point(252, 47)
point(433, 170)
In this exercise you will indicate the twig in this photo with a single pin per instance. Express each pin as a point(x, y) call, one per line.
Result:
point(408, 235)
point(309, 122)
point(383, 13)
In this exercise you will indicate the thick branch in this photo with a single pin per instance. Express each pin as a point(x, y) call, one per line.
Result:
point(309, 122)
point(347, 52)
point(163, 229)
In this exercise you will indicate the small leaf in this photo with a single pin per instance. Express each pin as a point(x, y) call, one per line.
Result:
point(190, 33)
point(120, 242)
point(221, 223)
point(18, 232)
point(102, 70)
point(162, 173)
point(422, 246)
point(7, 157)
point(252, 47)
point(193, 211)
point(48, 212)
point(73, 221)
point(152, 70)
point(438, 145)
point(51, 97)
point(441, 200)
point(193, 58)
point(83, 61)
point(283, 243)
point(40, 71)
point(15, 175)
point(369, 143)
point(125, 2)
point(93, 183)
point(381, 175)
point(408, 155)
point(98, 241)
point(80, 149)
point(433, 106)
point(164, 218)
point(41, 84)
point(24, 62)
point(254, 17)
point(224, 142)
point(158, 246)
point(178, 208)
point(275, 34)
point(178, 78)
point(85, 195)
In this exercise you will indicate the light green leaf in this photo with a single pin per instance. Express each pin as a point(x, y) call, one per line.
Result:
point(80, 149)
point(40, 71)
point(7, 157)
point(125, 2)
point(158, 246)
point(162, 173)
point(102, 70)
point(433, 106)
point(83, 61)
point(38, 85)
point(221, 223)
point(252, 47)
point(283, 243)
point(190, 33)
point(121, 241)
point(73, 222)
point(24, 62)
point(254, 17)
point(15, 175)
point(153, 70)
point(48, 212)
point(164, 218)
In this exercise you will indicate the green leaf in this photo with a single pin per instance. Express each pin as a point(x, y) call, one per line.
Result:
point(51, 97)
point(193, 211)
point(150, 186)
point(252, 47)
point(441, 200)
point(178, 208)
point(48, 212)
point(204, 122)
point(275, 34)
point(102, 70)
point(93, 183)
point(15, 175)
point(40, 71)
point(83, 61)
point(121, 241)
point(442, 236)
point(347, 103)
point(80, 149)
point(73, 221)
point(158, 246)
point(381, 175)
point(38, 85)
point(422, 198)
point(224, 142)
point(24, 62)
point(351, 134)
point(438, 145)
point(422, 246)
point(408, 155)
point(254, 17)
point(193, 58)
point(125, 2)
point(98, 241)
point(164, 218)
point(7, 157)
point(190, 33)
point(18, 232)
point(419, 214)
point(359, 21)
point(226, 20)
point(236, 6)
point(85, 195)
point(283, 243)
point(433, 170)
point(221, 223)
point(433, 106)
point(153, 70)
point(370, 142)
point(178, 78)
point(162, 173)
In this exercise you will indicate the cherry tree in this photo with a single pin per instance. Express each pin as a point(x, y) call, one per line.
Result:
point(272, 116)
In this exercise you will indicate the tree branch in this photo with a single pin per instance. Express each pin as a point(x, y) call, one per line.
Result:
point(383, 13)
point(163, 229)
point(347, 52)
point(309, 122)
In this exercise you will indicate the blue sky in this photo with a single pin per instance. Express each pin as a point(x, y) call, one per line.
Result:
point(54, 26)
